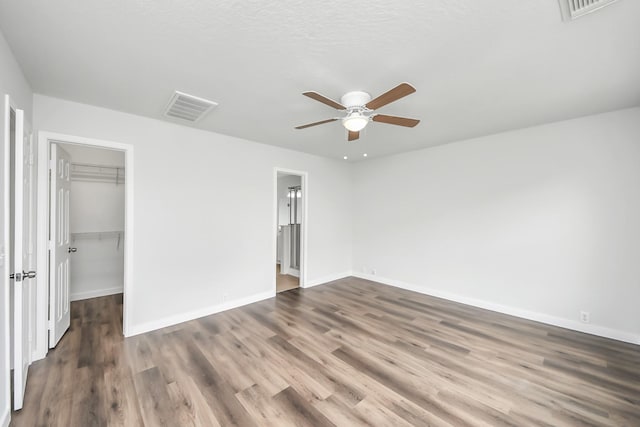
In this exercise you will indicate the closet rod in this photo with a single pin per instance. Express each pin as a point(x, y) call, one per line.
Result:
point(97, 173)
point(94, 165)
point(90, 233)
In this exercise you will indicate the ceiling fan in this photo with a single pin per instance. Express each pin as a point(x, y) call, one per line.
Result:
point(359, 109)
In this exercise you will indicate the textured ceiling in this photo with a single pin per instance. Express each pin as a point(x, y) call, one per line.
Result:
point(480, 67)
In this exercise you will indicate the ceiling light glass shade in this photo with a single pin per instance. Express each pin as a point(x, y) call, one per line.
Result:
point(355, 122)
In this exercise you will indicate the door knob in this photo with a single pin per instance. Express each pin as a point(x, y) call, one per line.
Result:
point(19, 277)
point(72, 250)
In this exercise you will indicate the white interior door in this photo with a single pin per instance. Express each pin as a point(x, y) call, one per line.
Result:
point(60, 244)
point(6, 265)
point(21, 278)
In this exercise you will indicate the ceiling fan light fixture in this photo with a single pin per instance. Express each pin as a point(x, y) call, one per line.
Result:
point(355, 122)
point(359, 109)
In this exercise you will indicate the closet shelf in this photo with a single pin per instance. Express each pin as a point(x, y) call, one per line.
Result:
point(96, 234)
point(99, 235)
point(97, 173)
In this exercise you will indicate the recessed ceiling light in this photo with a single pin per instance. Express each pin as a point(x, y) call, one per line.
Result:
point(345, 157)
point(364, 155)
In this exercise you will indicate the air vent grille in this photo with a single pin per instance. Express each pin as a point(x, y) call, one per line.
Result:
point(187, 107)
point(572, 9)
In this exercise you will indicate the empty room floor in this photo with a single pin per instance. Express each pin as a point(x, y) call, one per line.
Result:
point(352, 352)
point(285, 282)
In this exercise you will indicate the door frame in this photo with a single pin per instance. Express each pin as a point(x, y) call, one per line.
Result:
point(45, 139)
point(304, 184)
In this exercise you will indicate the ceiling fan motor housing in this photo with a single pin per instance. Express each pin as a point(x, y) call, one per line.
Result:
point(355, 99)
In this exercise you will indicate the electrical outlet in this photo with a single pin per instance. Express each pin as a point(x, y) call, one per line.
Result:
point(225, 297)
point(584, 317)
point(373, 271)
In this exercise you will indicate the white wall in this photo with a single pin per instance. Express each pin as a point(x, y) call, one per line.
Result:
point(97, 206)
point(192, 250)
point(541, 222)
point(97, 268)
point(12, 82)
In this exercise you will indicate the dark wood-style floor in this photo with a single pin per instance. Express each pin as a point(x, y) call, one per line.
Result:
point(348, 353)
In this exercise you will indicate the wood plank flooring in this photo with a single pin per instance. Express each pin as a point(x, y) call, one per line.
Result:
point(348, 353)
point(285, 282)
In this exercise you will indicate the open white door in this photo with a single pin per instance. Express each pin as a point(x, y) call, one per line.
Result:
point(21, 278)
point(6, 265)
point(60, 244)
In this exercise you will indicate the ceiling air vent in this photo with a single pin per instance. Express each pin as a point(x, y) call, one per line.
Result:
point(188, 107)
point(573, 9)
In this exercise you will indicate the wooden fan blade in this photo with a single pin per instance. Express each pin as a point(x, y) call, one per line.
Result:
point(400, 91)
point(321, 98)
point(315, 124)
point(393, 120)
point(353, 135)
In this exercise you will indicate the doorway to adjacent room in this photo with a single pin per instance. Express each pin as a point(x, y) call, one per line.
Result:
point(290, 226)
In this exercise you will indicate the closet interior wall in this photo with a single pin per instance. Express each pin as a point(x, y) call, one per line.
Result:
point(97, 221)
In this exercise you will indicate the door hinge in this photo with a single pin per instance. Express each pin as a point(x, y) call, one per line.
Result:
point(52, 163)
point(50, 324)
point(51, 245)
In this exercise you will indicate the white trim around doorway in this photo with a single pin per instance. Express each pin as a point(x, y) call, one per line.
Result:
point(45, 139)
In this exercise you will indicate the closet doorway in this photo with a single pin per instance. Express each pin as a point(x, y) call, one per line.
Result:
point(290, 225)
point(86, 225)
point(84, 235)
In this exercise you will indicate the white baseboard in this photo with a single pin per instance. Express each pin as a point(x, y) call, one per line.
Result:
point(293, 272)
point(601, 331)
point(5, 418)
point(326, 279)
point(289, 271)
point(94, 294)
point(206, 311)
point(196, 314)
